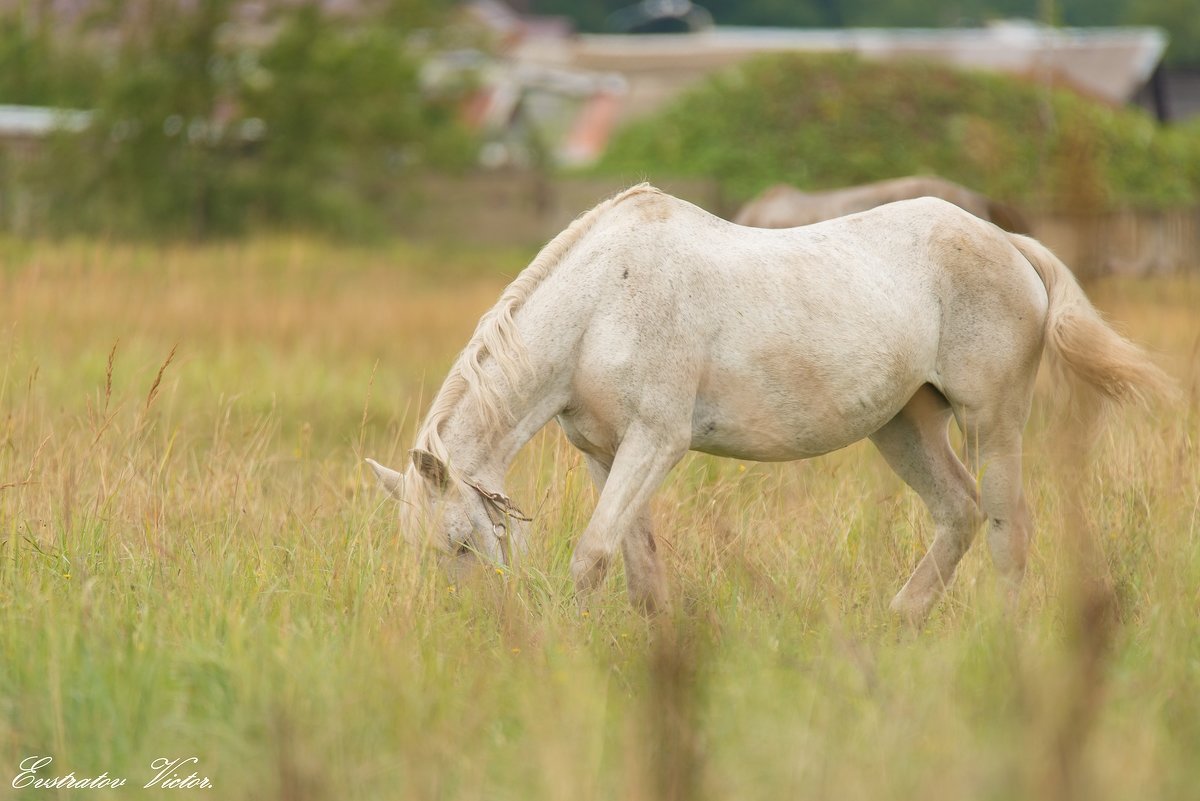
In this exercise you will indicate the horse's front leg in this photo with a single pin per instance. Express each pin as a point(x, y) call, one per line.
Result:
point(642, 461)
point(644, 576)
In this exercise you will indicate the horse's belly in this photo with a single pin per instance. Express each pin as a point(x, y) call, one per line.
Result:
point(783, 439)
point(780, 417)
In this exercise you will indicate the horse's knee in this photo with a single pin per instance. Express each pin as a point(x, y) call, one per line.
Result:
point(589, 565)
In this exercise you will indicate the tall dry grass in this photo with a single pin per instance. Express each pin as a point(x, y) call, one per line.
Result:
point(193, 563)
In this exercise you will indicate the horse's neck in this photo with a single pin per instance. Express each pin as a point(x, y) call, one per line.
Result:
point(484, 451)
point(550, 324)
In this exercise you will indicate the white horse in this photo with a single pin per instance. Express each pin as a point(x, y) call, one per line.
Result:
point(649, 327)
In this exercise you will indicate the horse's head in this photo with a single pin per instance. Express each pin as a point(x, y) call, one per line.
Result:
point(455, 515)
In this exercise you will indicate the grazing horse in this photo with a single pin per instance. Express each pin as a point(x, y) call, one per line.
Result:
point(650, 327)
point(783, 206)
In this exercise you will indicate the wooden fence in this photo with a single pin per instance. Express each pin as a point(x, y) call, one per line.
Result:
point(524, 209)
point(1125, 242)
point(520, 208)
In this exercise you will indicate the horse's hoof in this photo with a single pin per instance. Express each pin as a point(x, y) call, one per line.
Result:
point(651, 604)
point(588, 571)
point(910, 611)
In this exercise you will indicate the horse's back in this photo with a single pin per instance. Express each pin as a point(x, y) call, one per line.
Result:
point(890, 261)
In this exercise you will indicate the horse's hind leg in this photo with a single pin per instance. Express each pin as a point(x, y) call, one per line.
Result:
point(997, 440)
point(916, 444)
point(643, 570)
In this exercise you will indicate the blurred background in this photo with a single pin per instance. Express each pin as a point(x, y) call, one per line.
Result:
point(498, 122)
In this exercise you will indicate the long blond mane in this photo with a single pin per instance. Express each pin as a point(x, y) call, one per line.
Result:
point(496, 336)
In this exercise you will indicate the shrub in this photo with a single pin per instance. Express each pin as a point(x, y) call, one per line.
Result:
point(821, 121)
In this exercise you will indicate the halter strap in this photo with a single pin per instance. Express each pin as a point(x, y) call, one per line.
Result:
point(499, 501)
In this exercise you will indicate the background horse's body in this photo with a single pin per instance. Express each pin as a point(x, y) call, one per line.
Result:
point(651, 327)
point(785, 206)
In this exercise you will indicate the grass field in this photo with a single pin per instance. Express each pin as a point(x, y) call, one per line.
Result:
point(194, 563)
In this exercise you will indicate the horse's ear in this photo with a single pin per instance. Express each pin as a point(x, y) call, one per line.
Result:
point(431, 467)
point(390, 479)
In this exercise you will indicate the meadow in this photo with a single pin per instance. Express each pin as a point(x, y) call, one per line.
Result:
point(195, 563)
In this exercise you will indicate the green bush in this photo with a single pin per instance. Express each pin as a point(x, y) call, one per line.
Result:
point(820, 121)
point(200, 130)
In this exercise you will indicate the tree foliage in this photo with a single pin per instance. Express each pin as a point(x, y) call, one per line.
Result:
point(36, 68)
point(343, 112)
point(829, 121)
point(197, 130)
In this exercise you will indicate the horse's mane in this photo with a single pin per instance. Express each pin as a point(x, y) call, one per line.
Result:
point(496, 335)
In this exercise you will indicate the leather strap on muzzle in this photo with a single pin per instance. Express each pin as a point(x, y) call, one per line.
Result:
point(499, 501)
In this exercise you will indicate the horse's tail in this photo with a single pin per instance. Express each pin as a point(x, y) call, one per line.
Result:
point(1078, 339)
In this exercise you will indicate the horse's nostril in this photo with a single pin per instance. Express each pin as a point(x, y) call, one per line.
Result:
point(461, 549)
